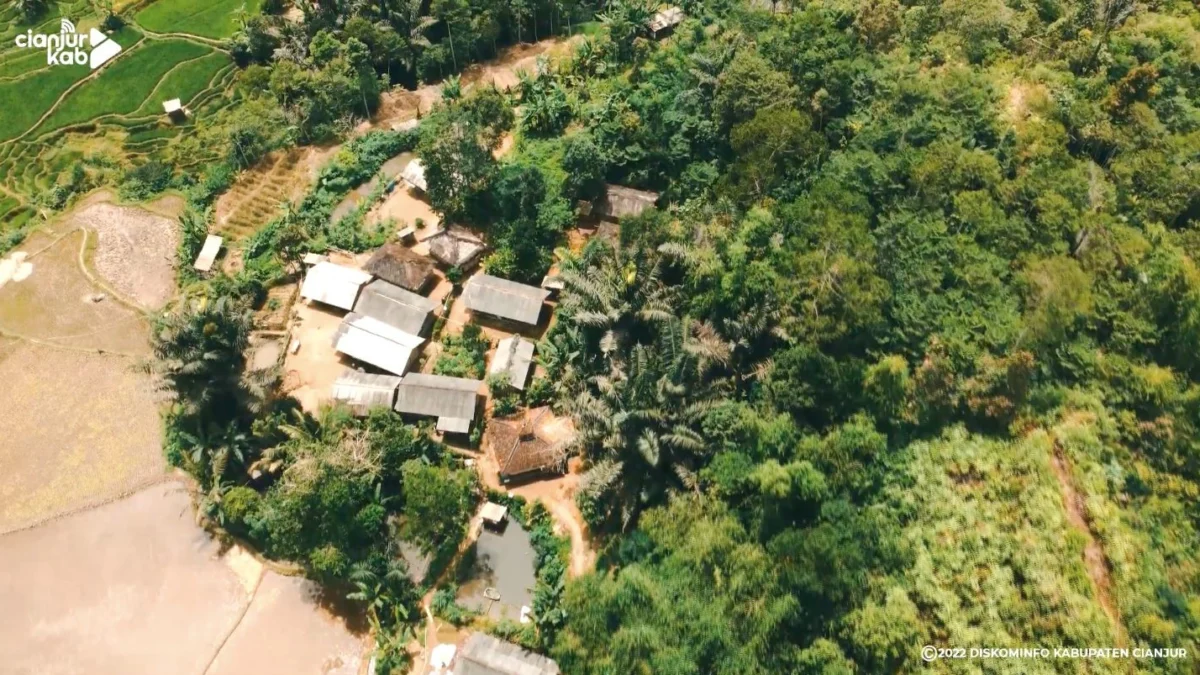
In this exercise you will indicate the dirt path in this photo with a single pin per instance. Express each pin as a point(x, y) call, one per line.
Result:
point(583, 558)
point(1094, 559)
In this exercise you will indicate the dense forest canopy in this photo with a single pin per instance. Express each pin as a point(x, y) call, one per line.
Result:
point(907, 355)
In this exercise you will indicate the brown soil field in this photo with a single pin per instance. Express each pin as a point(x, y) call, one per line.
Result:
point(80, 422)
point(55, 303)
point(78, 428)
point(134, 251)
point(135, 586)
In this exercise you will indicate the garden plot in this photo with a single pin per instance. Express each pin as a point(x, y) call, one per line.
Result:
point(135, 251)
point(258, 193)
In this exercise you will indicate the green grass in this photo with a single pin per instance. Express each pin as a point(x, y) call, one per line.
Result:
point(30, 97)
point(184, 82)
point(27, 98)
point(123, 86)
point(214, 19)
point(19, 62)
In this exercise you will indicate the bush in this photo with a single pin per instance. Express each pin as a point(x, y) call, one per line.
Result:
point(240, 506)
point(445, 606)
point(463, 355)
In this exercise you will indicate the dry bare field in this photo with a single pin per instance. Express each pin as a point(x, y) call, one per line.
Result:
point(135, 586)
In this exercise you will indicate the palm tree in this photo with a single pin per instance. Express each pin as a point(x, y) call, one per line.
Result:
point(639, 408)
point(385, 597)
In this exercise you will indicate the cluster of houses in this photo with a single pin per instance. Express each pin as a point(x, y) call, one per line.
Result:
point(388, 322)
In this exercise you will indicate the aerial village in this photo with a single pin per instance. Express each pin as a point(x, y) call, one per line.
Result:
point(366, 331)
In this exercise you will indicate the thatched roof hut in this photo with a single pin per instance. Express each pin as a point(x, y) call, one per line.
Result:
point(398, 265)
point(534, 441)
point(456, 247)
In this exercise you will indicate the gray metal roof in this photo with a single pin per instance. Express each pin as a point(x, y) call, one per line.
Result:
point(505, 299)
point(379, 344)
point(622, 202)
point(437, 396)
point(667, 18)
point(395, 306)
point(363, 391)
point(514, 355)
point(483, 654)
point(333, 284)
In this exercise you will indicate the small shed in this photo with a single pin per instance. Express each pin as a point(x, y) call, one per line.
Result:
point(456, 247)
point(664, 21)
point(493, 514)
point(372, 341)
point(174, 109)
point(414, 175)
point(514, 356)
point(504, 299)
point(208, 253)
point(438, 396)
point(365, 391)
point(396, 307)
point(532, 442)
point(623, 202)
point(399, 265)
point(333, 284)
point(483, 654)
point(311, 259)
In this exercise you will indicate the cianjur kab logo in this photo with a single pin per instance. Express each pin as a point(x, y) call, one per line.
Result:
point(69, 48)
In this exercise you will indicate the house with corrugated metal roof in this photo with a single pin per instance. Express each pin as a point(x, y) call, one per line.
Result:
point(414, 175)
point(483, 654)
point(621, 202)
point(363, 392)
point(333, 284)
point(514, 358)
point(664, 21)
point(208, 253)
point(396, 307)
point(504, 299)
point(379, 344)
point(453, 400)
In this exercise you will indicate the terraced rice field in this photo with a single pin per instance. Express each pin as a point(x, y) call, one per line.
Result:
point(126, 86)
point(213, 19)
point(69, 114)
